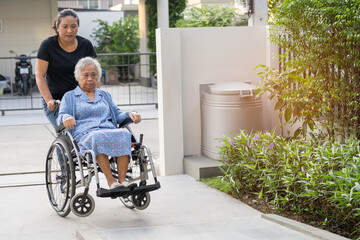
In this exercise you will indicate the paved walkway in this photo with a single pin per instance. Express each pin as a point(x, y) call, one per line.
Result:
point(182, 209)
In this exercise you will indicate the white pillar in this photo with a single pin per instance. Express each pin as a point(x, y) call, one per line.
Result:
point(171, 133)
point(163, 13)
point(144, 59)
point(260, 13)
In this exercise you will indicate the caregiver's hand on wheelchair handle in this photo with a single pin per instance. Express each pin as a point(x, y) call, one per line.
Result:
point(69, 122)
point(52, 104)
point(135, 117)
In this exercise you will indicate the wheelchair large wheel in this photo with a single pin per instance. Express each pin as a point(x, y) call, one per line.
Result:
point(60, 175)
point(140, 166)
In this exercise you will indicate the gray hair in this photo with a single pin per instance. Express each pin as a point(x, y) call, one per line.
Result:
point(86, 61)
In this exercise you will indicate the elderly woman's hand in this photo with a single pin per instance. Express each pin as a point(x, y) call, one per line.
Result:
point(69, 122)
point(135, 117)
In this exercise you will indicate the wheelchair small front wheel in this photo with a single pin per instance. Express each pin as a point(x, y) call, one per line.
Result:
point(127, 202)
point(82, 206)
point(141, 200)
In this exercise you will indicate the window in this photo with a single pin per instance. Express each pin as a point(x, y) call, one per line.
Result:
point(110, 3)
point(89, 4)
point(83, 3)
point(94, 4)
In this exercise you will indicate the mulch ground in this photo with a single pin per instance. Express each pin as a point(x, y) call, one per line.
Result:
point(266, 208)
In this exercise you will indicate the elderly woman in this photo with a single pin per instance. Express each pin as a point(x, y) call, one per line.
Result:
point(92, 117)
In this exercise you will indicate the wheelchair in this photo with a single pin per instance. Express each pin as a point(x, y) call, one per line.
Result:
point(66, 170)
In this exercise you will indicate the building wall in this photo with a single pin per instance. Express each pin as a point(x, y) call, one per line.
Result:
point(25, 24)
point(193, 56)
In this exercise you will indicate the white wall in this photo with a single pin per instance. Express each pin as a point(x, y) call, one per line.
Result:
point(25, 24)
point(87, 25)
point(192, 56)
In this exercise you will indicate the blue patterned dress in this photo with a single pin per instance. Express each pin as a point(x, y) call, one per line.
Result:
point(95, 131)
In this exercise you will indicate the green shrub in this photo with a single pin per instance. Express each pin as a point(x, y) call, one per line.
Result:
point(318, 85)
point(120, 36)
point(117, 37)
point(316, 179)
point(210, 16)
point(175, 8)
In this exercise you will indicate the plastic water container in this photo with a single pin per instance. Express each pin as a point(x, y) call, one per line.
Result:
point(225, 109)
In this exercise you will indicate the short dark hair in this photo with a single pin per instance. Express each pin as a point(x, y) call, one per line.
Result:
point(64, 13)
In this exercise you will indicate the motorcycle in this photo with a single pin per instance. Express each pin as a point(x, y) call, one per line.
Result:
point(24, 79)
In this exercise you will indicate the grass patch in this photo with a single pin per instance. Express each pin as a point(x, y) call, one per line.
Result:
point(218, 183)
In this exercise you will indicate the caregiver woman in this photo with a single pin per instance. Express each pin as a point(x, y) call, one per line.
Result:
point(56, 60)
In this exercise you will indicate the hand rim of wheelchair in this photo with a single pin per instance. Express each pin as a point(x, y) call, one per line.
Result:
point(59, 199)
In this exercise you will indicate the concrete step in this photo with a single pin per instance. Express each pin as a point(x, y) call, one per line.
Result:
point(200, 166)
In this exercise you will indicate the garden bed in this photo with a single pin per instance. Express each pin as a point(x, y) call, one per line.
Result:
point(315, 181)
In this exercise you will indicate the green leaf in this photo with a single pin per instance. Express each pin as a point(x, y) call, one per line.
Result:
point(279, 105)
point(288, 113)
point(297, 132)
point(304, 128)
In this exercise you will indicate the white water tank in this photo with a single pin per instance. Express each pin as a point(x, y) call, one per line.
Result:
point(226, 108)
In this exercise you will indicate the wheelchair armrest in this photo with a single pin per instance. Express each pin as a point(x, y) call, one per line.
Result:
point(60, 128)
point(125, 123)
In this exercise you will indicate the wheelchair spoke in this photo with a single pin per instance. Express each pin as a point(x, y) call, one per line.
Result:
point(59, 177)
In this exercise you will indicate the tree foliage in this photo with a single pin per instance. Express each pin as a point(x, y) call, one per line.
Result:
point(318, 83)
point(176, 7)
point(117, 37)
point(272, 5)
point(120, 36)
point(210, 16)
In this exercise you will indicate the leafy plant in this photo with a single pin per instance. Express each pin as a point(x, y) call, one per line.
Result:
point(210, 16)
point(299, 98)
point(316, 179)
point(272, 5)
point(175, 8)
point(117, 37)
point(318, 77)
point(121, 36)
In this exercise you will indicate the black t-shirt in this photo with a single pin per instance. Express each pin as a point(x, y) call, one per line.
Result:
point(60, 74)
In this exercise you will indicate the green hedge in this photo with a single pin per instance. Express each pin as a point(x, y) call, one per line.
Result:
point(316, 179)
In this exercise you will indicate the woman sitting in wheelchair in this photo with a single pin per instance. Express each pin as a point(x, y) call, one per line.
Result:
point(92, 118)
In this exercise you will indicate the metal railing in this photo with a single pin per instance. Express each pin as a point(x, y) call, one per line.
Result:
point(129, 77)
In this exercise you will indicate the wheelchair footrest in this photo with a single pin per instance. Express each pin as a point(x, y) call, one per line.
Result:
point(126, 192)
point(113, 193)
point(145, 188)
